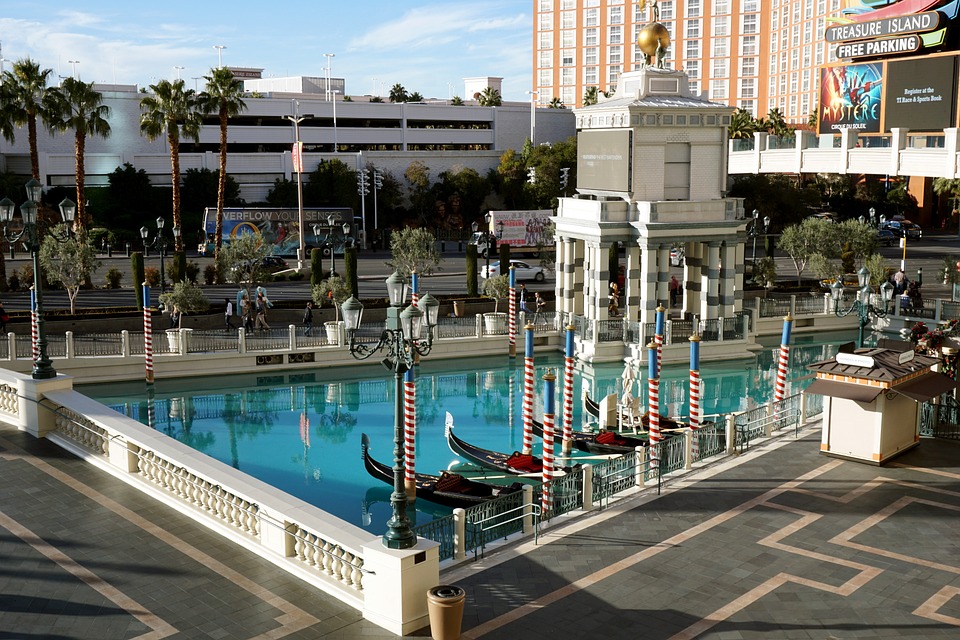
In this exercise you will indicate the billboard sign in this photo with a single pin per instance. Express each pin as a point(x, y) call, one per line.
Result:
point(921, 94)
point(850, 98)
point(887, 28)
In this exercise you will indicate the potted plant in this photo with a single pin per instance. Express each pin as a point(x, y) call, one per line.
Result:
point(186, 297)
point(333, 290)
point(497, 287)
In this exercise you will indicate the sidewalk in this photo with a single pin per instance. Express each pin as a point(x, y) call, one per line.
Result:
point(778, 543)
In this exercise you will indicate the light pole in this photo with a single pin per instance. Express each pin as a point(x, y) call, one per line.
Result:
point(160, 242)
point(42, 365)
point(862, 305)
point(334, 94)
point(219, 48)
point(402, 340)
point(331, 244)
point(534, 95)
point(489, 239)
point(327, 71)
point(73, 66)
point(873, 217)
point(179, 69)
point(297, 156)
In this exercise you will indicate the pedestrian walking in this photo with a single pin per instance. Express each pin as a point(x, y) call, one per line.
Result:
point(674, 290)
point(541, 306)
point(261, 311)
point(175, 317)
point(308, 319)
point(523, 298)
point(227, 314)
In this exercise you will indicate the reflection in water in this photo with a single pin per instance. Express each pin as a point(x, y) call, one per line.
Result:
point(301, 432)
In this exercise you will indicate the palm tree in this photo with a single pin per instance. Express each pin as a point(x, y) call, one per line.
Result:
point(457, 101)
point(742, 125)
point(591, 96)
point(416, 96)
point(223, 94)
point(490, 97)
point(776, 124)
point(171, 110)
point(398, 93)
point(27, 85)
point(813, 120)
point(76, 105)
point(556, 103)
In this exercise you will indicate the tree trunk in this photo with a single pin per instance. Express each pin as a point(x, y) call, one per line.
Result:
point(174, 141)
point(80, 146)
point(222, 183)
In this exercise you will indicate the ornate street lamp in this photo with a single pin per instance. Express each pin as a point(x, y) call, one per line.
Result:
point(330, 241)
point(402, 340)
point(160, 242)
point(862, 305)
point(42, 365)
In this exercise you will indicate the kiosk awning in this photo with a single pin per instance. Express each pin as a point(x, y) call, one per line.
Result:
point(929, 386)
point(858, 392)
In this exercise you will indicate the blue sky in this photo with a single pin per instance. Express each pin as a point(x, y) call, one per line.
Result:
point(425, 46)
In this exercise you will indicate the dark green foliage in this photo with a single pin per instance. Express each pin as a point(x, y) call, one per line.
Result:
point(210, 274)
point(350, 270)
point(136, 266)
point(193, 270)
point(472, 270)
point(199, 191)
point(504, 251)
point(113, 278)
point(316, 267)
point(177, 267)
point(847, 257)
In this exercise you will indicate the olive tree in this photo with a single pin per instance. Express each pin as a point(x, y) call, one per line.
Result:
point(71, 262)
point(802, 241)
point(333, 289)
point(497, 287)
point(186, 297)
point(414, 250)
point(241, 262)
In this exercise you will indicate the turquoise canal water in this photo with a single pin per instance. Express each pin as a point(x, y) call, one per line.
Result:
point(300, 432)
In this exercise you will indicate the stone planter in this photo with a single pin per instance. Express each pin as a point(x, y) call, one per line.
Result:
point(494, 322)
point(173, 340)
point(333, 331)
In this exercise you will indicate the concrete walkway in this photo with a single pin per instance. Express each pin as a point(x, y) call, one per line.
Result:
point(778, 543)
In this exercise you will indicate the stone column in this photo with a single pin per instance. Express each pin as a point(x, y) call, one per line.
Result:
point(692, 276)
point(648, 283)
point(739, 251)
point(663, 275)
point(710, 282)
point(728, 270)
point(632, 295)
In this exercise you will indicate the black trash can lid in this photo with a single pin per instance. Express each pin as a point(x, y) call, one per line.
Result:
point(447, 591)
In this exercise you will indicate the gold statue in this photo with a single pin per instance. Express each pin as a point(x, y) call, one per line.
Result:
point(653, 39)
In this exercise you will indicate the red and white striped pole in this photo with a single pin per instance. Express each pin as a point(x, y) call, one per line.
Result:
point(147, 334)
point(568, 394)
point(784, 360)
point(695, 393)
point(528, 392)
point(658, 334)
point(34, 326)
point(653, 402)
point(410, 433)
point(512, 321)
point(549, 382)
point(414, 288)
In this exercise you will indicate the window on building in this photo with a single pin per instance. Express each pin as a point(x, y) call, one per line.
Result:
point(748, 23)
point(568, 39)
point(566, 57)
point(546, 59)
point(591, 17)
point(808, 9)
point(718, 90)
point(695, 88)
point(719, 68)
point(666, 10)
point(721, 26)
point(615, 15)
point(591, 37)
point(721, 7)
point(721, 47)
point(693, 28)
point(693, 8)
point(750, 6)
point(692, 69)
point(748, 46)
point(568, 20)
point(545, 21)
point(568, 4)
point(568, 95)
point(614, 55)
point(748, 66)
point(615, 35)
point(747, 105)
point(805, 80)
point(590, 75)
point(794, 82)
point(545, 77)
point(613, 74)
point(546, 41)
point(590, 56)
point(546, 5)
point(691, 49)
point(748, 88)
point(567, 76)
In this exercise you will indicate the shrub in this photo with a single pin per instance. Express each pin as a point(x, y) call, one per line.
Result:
point(152, 276)
point(14, 282)
point(136, 267)
point(193, 270)
point(113, 278)
point(296, 275)
point(210, 274)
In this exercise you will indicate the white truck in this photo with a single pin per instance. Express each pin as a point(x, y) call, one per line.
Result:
point(527, 230)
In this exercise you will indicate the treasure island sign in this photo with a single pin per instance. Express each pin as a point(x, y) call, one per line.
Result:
point(869, 32)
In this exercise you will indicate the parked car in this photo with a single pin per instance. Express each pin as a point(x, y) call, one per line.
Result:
point(886, 237)
point(903, 228)
point(523, 270)
point(676, 256)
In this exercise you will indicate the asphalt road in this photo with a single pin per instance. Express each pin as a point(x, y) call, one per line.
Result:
point(927, 253)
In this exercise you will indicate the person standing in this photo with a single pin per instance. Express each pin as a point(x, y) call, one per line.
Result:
point(674, 290)
point(227, 313)
point(308, 319)
point(523, 298)
point(541, 306)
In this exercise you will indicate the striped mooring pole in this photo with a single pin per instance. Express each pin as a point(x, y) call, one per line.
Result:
point(34, 326)
point(549, 421)
point(695, 393)
point(414, 288)
point(528, 375)
point(784, 360)
point(653, 402)
point(568, 393)
point(659, 333)
point(512, 321)
point(147, 334)
point(410, 433)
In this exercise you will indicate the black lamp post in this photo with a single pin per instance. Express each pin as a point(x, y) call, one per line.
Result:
point(755, 231)
point(42, 366)
point(402, 340)
point(861, 306)
point(160, 242)
point(330, 243)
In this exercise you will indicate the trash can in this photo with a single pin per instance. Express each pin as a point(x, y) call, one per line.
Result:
point(459, 306)
point(445, 606)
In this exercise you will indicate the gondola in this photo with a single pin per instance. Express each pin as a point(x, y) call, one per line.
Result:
point(515, 463)
point(602, 442)
point(592, 408)
point(447, 489)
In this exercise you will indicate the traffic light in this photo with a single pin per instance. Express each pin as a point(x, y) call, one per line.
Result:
point(377, 179)
point(363, 182)
point(564, 177)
